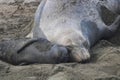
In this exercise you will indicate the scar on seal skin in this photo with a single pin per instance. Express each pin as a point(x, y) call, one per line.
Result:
point(64, 30)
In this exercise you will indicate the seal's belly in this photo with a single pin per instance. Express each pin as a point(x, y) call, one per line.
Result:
point(61, 30)
point(63, 17)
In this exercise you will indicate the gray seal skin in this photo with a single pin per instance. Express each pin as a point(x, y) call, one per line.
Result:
point(29, 51)
point(76, 24)
point(64, 30)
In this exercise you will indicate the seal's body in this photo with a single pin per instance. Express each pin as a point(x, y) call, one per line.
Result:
point(73, 23)
point(29, 51)
point(64, 30)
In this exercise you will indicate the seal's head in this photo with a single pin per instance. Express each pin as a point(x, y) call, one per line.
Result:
point(59, 53)
point(79, 54)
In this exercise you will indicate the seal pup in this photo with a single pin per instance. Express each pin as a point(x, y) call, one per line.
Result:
point(29, 51)
point(75, 24)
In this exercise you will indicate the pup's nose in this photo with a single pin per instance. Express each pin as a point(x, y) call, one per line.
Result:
point(60, 53)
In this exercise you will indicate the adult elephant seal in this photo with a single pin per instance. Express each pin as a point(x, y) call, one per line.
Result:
point(76, 24)
point(71, 26)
